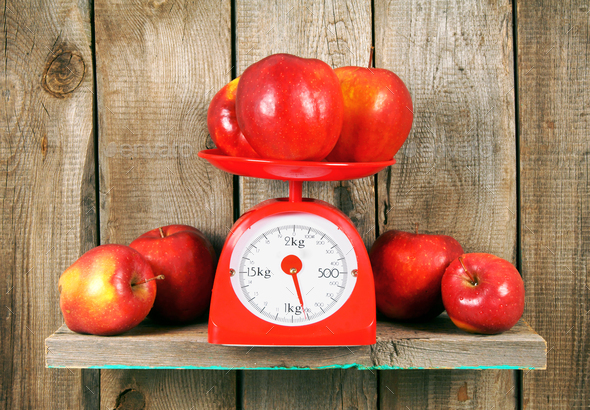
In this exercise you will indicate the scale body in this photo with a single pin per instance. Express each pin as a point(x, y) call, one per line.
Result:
point(293, 271)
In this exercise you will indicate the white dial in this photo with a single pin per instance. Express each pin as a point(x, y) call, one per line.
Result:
point(293, 269)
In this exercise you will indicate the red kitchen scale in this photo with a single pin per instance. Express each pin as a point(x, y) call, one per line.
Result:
point(293, 271)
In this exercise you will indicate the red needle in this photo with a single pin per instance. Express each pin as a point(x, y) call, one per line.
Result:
point(296, 281)
point(292, 265)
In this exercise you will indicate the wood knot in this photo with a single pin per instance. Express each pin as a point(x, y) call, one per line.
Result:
point(64, 73)
point(130, 399)
point(160, 6)
point(209, 144)
point(156, 3)
point(462, 393)
point(44, 146)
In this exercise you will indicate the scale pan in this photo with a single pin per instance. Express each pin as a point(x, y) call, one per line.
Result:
point(292, 170)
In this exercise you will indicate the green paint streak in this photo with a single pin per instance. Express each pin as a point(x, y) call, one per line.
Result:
point(496, 367)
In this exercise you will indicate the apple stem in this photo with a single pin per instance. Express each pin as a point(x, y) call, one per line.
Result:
point(161, 232)
point(371, 56)
point(416, 228)
point(159, 277)
point(471, 278)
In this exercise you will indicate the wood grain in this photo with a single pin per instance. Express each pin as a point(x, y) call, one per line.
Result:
point(158, 65)
point(434, 345)
point(440, 344)
point(446, 389)
point(185, 347)
point(336, 32)
point(141, 389)
point(456, 173)
point(554, 84)
point(324, 389)
point(90, 384)
point(48, 214)
point(339, 33)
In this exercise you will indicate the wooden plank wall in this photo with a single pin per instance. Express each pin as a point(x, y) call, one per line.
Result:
point(48, 215)
point(456, 174)
point(464, 171)
point(338, 33)
point(554, 120)
point(158, 65)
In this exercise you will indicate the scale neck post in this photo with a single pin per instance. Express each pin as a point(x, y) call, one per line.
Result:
point(295, 191)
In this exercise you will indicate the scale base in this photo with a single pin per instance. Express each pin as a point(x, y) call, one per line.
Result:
point(283, 336)
point(353, 324)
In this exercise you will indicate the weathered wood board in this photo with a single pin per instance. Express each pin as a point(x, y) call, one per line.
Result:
point(437, 344)
point(328, 389)
point(339, 33)
point(179, 389)
point(554, 122)
point(448, 389)
point(456, 173)
point(158, 65)
point(47, 168)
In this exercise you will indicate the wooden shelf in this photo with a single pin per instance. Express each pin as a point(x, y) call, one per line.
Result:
point(434, 345)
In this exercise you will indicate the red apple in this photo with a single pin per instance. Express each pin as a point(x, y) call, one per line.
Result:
point(223, 125)
point(378, 115)
point(290, 108)
point(108, 291)
point(408, 269)
point(187, 260)
point(483, 293)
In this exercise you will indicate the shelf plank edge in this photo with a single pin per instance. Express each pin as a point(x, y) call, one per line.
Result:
point(434, 345)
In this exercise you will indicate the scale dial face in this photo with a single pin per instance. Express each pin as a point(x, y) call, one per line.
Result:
point(293, 269)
